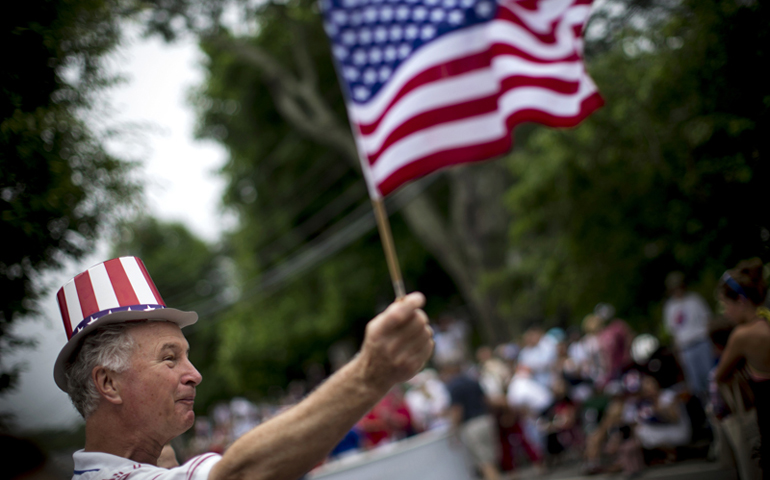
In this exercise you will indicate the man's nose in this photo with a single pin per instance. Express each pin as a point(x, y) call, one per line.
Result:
point(192, 376)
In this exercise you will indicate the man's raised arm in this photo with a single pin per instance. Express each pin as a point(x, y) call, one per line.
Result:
point(397, 344)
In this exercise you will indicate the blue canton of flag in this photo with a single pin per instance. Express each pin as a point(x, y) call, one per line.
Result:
point(371, 38)
point(433, 83)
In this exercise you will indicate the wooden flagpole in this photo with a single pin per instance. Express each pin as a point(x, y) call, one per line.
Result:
point(383, 225)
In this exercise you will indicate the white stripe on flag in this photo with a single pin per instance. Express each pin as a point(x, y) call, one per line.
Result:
point(103, 291)
point(73, 304)
point(138, 282)
point(477, 129)
point(460, 44)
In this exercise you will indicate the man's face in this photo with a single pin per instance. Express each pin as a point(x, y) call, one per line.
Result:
point(158, 389)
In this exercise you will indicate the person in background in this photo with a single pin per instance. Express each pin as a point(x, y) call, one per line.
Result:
point(450, 337)
point(427, 400)
point(472, 420)
point(388, 421)
point(538, 354)
point(660, 417)
point(742, 292)
point(614, 343)
point(686, 316)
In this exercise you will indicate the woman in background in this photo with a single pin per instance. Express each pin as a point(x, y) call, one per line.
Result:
point(742, 293)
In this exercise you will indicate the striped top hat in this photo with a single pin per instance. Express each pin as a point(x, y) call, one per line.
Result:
point(116, 291)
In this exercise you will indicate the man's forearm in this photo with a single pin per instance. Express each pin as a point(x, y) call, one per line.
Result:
point(290, 444)
point(397, 343)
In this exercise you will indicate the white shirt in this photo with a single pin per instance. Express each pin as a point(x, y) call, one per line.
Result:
point(540, 359)
point(687, 319)
point(526, 392)
point(105, 466)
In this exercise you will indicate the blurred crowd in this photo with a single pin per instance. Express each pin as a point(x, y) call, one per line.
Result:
point(600, 393)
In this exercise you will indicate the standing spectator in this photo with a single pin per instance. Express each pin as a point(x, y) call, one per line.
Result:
point(470, 415)
point(686, 316)
point(494, 374)
point(539, 355)
point(742, 292)
point(450, 337)
point(427, 399)
point(614, 343)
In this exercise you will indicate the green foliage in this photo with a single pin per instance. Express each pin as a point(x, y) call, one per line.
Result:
point(58, 185)
point(668, 175)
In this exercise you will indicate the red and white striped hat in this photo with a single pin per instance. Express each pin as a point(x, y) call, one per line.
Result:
point(116, 291)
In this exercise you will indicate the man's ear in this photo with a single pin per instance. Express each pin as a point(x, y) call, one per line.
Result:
point(106, 384)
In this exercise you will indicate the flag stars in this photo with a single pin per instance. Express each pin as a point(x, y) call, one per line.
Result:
point(331, 29)
point(390, 53)
point(372, 37)
point(348, 37)
point(365, 36)
point(340, 52)
point(375, 55)
point(370, 15)
point(437, 15)
point(360, 93)
point(340, 17)
point(380, 34)
point(456, 17)
point(419, 14)
point(359, 57)
point(402, 13)
point(351, 74)
point(484, 9)
point(411, 32)
point(384, 74)
point(370, 76)
point(386, 14)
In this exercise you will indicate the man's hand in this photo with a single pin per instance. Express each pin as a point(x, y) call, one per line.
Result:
point(397, 343)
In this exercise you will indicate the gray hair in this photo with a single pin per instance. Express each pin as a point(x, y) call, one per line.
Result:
point(109, 347)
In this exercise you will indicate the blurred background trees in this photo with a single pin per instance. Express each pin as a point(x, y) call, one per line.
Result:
point(58, 186)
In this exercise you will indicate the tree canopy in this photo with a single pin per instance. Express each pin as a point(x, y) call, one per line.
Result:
point(667, 176)
point(58, 184)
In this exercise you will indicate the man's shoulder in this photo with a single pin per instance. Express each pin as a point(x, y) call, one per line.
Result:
point(105, 466)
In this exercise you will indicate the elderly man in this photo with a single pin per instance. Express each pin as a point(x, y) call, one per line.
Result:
point(127, 372)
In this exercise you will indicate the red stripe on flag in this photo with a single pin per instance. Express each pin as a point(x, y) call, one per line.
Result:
point(457, 67)
point(124, 292)
point(435, 161)
point(65, 313)
point(480, 152)
point(479, 106)
point(150, 282)
point(88, 304)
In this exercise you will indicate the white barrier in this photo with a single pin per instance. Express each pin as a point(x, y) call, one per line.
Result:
point(434, 455)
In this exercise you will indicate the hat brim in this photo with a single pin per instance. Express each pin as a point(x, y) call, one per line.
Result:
point(179, 317)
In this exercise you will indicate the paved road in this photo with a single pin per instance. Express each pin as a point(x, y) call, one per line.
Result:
point(690, 470)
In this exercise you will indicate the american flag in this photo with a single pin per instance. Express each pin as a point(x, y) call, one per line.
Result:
point(433, 83)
